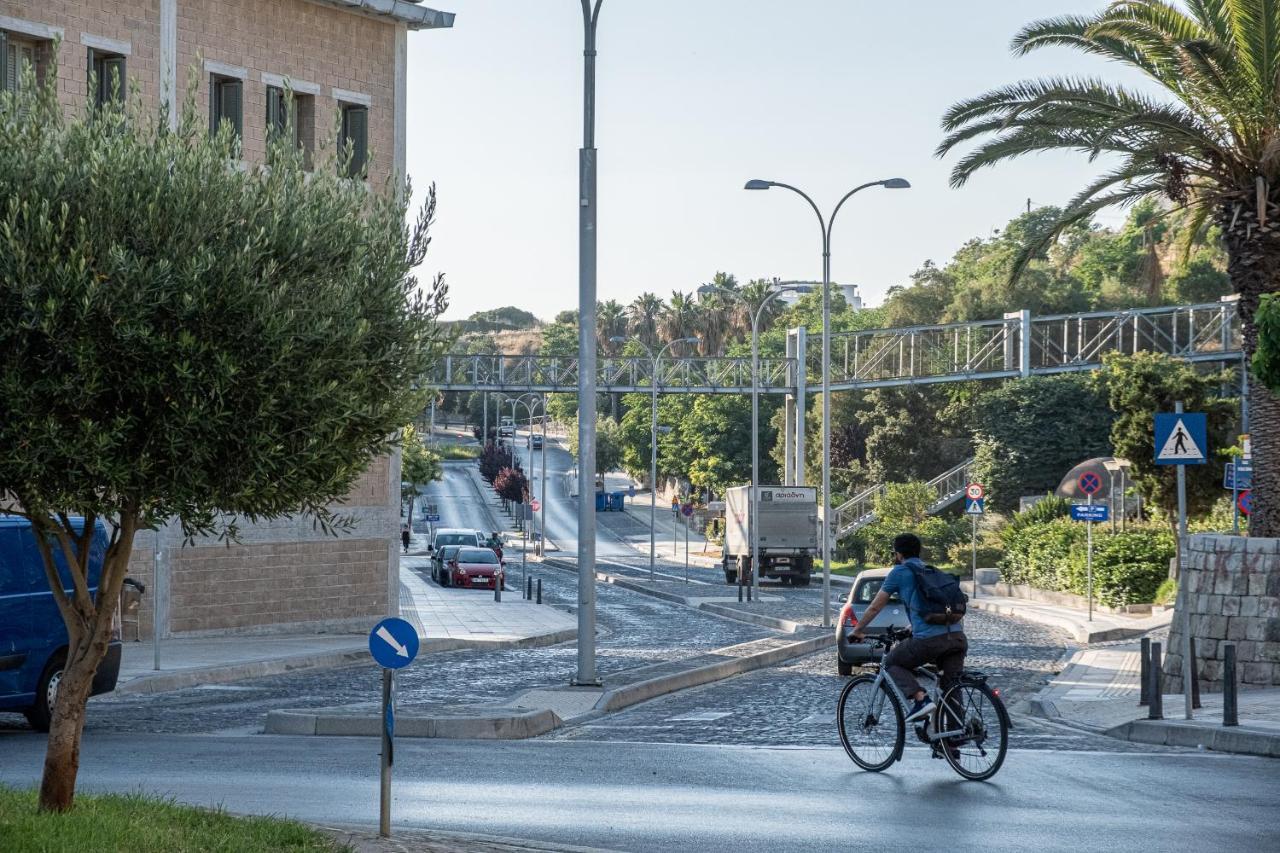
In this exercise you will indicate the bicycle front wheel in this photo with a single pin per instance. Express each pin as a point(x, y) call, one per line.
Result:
point(870, 723)
point(977, 713)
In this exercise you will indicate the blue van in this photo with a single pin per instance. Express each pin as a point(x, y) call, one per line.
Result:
point(33, 637)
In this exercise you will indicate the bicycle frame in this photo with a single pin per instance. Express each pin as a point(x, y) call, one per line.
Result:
point(934, 691)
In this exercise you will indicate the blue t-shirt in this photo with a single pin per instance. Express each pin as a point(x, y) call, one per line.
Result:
point(902, 581)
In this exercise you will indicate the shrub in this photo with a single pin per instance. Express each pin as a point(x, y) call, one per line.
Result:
point(1167, 593)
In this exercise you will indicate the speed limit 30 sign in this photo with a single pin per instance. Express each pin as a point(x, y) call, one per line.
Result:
point(974, 491)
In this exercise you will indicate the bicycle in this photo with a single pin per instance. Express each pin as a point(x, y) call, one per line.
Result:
point(969, 727)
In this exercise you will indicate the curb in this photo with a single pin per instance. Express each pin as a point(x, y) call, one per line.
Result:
point(363, 839)
point(164, 682)
point(1237, 739)
point(1078, 629)
point(520, 723)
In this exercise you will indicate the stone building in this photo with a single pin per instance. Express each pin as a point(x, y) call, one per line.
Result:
point(345, 61)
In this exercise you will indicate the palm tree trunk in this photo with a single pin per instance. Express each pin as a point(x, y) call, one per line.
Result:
point(1253, 253)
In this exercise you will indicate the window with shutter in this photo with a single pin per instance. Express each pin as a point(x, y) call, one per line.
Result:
point(355, 133)
point(282, 114)
point(107, 77)
point(16, 56)
point(226, 103)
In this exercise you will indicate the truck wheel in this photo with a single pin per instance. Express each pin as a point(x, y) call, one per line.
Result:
point(730, 576)
point(844, 668)
point(40, 714)
point(803, 580)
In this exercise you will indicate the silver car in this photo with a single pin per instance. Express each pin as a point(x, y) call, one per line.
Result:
point(849, 652)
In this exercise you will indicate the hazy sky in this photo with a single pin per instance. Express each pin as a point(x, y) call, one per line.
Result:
point(696, 97)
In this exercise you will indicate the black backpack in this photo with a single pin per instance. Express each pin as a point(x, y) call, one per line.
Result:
point(939, 599)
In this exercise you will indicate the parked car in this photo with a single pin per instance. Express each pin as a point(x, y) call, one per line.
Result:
point(33, 637)
point(475, 568)
point(454, 536)
point(440, 562)
point(850, 653)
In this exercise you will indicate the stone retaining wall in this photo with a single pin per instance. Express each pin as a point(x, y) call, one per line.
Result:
point(1230, 593)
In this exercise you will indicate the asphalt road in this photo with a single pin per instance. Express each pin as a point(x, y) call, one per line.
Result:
point(675, 797)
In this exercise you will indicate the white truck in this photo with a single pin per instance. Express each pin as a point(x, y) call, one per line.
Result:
point(788, 518)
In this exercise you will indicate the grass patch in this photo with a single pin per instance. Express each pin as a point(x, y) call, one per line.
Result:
point(142, 824)
point(458, 451)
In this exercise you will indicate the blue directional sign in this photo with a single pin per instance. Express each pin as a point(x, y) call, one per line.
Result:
point(1181, 438)
point(1089, 512)
point(433, 518)
point(975, 506)
point(393, 643)
point(1237, 475)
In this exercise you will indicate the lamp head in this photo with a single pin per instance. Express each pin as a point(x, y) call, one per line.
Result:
point(896, 184)
point(757, 184)
point(689, 341)
point(617, 340)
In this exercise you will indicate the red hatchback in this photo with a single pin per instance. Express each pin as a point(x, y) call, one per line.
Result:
point(476, 568)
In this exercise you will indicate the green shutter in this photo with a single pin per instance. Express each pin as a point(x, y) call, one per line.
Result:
point(232, 104)
point(6, 85)
point(94, 66)
point(113, 79)
point(275, 111)
point(215, 111)
point(355, 132)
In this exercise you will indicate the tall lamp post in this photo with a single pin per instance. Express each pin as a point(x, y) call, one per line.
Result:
point(707, 289)
point(826, 224)
point(586, 672)
point(656, 361)
point(527, 400)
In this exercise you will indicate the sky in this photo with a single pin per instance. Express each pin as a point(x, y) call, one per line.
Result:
point(695, 97)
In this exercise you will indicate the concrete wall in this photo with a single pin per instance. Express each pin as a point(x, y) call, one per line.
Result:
point(1231, 593)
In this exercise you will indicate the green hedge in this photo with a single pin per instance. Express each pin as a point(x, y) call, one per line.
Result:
point(1128, 567)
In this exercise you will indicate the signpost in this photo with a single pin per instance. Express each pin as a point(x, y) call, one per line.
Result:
point(1090, 483)
point(393, 643)
point(1181, 439)
point(974, 506)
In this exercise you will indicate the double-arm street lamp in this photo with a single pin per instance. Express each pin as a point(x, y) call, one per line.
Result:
point(753, 509)
point(656, 361)
point(542, 489)
point(826, 224)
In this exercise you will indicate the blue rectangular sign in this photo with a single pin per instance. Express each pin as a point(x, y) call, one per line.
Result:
point(1181, 438)
point(1090, 512)
point(1237, 475)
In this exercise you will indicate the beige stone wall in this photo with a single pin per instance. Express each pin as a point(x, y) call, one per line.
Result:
point(1231, 593)
point(300, 40)
point(133, 21)
point(219, 588)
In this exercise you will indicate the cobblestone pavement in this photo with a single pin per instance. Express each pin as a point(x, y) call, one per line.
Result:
point(636, 630)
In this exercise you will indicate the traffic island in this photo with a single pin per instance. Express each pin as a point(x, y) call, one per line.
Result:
point(536, 712)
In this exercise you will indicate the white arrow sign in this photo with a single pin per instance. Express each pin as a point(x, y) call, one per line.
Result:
point(391, 641)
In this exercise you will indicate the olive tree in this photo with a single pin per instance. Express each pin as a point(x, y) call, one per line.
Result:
point(186, 338)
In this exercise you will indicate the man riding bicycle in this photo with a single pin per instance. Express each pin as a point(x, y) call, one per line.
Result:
point(944, 645)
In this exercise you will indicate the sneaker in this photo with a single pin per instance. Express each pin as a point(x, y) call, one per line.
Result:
point(920, 709)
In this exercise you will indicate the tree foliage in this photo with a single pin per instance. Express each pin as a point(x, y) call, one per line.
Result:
point(418, 463)
point(511, 485)
point(608, 444)
point(187, 340)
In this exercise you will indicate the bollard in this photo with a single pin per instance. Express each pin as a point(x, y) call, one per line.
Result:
point(528, 589)
point(1195, 675)
point(1229, 712)
point(497, 589)
point(1156, 708)
point(1144, 674)
point(539, 590)
point(739, 593)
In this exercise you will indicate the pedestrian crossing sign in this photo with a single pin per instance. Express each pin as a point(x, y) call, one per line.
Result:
point(974, 506)
point(1181, 438)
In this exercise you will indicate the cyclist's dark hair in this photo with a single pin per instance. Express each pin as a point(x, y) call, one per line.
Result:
point(907, 544)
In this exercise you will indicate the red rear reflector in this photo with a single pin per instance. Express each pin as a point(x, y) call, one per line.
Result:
point(995, 690)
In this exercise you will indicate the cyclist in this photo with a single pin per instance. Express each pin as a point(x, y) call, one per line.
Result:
point(942, 645)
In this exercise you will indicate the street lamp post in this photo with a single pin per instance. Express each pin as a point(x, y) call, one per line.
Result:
point(587, 235)
point(656, 361)
point(826, 224)
point(752, 502)
point(528, 406)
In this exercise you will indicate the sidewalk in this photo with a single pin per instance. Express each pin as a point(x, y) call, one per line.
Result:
point(637, 507)
point(1104, 627)
point(1099, 690)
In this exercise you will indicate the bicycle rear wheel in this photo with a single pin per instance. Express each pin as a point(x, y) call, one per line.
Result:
point(870, 723)
point(979, 751)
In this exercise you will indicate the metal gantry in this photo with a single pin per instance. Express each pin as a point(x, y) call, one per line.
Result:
point(1017, 345)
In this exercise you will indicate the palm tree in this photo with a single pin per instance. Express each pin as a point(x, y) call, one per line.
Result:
point(642, 317)
point(754, 295)
point(611, 322)
point(1211, 147)
point(679, 318)
point(715, 315)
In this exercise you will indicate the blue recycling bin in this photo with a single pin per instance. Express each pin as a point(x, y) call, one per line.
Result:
point(602, 502)
point(615, 502)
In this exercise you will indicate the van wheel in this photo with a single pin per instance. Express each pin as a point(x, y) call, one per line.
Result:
point(40, 714)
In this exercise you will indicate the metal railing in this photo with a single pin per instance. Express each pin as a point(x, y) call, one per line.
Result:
point(1018, 345)
point(859, 511)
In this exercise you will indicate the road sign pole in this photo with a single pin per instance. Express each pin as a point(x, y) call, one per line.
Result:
point(974, 542)
point(1235, 498)
point(388, 717)
point(1089, 560)
point(1186, 616)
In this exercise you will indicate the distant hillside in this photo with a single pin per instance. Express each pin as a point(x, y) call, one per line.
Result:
point(505, 319)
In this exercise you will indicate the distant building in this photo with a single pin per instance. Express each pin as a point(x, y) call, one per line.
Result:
point(849, 291)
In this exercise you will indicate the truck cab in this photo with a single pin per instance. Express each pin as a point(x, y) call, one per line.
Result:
point(788, 537)
point(33, 636)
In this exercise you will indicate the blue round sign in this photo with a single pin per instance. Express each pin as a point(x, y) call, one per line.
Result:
point(393, 643)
